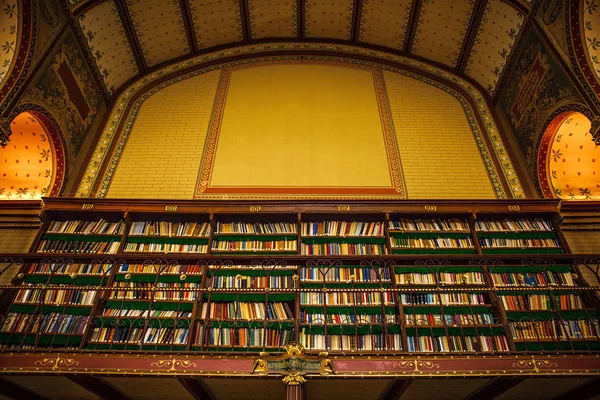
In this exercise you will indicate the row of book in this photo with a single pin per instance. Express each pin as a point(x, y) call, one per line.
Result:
point(513, 225)
point(100, 227)
point(347, 298)
point(166, 248)
point(170, 269)
point(363, 274)
point(429, 225)
point(68, 269)
point(431, 243)
point(445, 298)
point(135, 335)
point(244, 337)
point(148, 290)
point(247, 310)
point(557, 330)
point(546, 278)
point(124, 312)
point(536, 302)
point(430, 344)
point(45, 323)
point(448, 319)
point(446, 278)
point(351, 249)
point(75, 246)
point(168, 228)
point(56, 296)
point(342, 228)
point(257, 228)
point(380, 342)
point(346, 319)
point(528, 330)
point(254, 245)
point(254, 282)
point(517, 243)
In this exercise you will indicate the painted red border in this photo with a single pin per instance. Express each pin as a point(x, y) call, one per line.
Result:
point(544, 148)
point(578, 41)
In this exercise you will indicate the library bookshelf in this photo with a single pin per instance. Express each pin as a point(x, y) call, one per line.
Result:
point(359, 278)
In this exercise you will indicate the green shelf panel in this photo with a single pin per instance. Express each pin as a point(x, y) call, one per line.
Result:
point(243, 237)
point(433, 309)
point(138, 322)
point(65, 309)
point(433, 235)
point(250, 296)
point(65, 279)
point(344, 285)
point(396, 250)
point(347, 309)
point(145, 305)
point(168, 240)
point(216, 349)
point(253, 253)
point(350, 330)
point(562, 345)
point(334, 239)
point(82, 238)
point(440, 331)
point(425, 270)
point(250, 272)
point(517, 235)
point(549, 314)
point(162, 278)
point(132, 346)
point(521, 269)
point(532, 250)
point(46, 339)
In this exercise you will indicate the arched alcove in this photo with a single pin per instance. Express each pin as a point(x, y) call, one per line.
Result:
point(32, 164)
point(568, 159)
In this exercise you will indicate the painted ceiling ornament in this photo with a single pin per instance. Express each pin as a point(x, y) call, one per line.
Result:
point(293, 364)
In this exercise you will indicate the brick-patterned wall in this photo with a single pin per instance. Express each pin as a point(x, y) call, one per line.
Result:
point(440, 158)
point(163, 153)
point(584, 239)
point(18, 227)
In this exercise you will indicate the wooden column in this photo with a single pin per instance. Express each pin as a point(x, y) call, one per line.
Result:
point(295, 391)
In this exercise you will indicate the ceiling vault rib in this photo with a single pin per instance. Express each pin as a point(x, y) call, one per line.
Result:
point(301, 17)
point(356, 13)
point(587, 391)
point(99, 387)
point(474, 24)
point(495, 388)
point(395, 389)
point(197, 388)
point(189, 26)
point(413, 20)
point(245, 15)
point(131, 36)
point(14, 391)
point(85, 50)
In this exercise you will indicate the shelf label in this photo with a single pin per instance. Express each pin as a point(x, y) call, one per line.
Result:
point(430, 208)
point(255, 208)
point(343, 208)
point(514, 208)
point(87, 206)
point(170, 208)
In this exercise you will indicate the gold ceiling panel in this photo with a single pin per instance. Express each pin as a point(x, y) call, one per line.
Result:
point(441, 29)
point(216, 22)
point(384, 22)
point(494, 41)
point(108, 43)
point(328, 19)
point(159, 28)
point(273, 18)
point(591, 30)
point(9, 19)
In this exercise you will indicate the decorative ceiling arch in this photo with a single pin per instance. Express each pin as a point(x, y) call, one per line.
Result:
point(473, 100)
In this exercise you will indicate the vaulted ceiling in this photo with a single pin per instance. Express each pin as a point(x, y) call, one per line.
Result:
point(473, 38)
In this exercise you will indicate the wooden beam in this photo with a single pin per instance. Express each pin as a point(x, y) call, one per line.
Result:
point(467, 46)
point(395, 389)
point(189, 25)
point(495, 388)
point(99, 387)
point(131, 36)
point(245, 15)
point(13, 391)
point(357, 11)
point(413, 20)
point(587, 391)
point(197, 388)
point(301, 17)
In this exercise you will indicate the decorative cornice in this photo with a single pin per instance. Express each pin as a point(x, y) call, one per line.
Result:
point(189, 26)
point(474, 24)
point(413, 20)
point(131, 36)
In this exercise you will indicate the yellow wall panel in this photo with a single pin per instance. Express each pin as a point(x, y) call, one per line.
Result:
point(440, 158)
point(163, 152)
